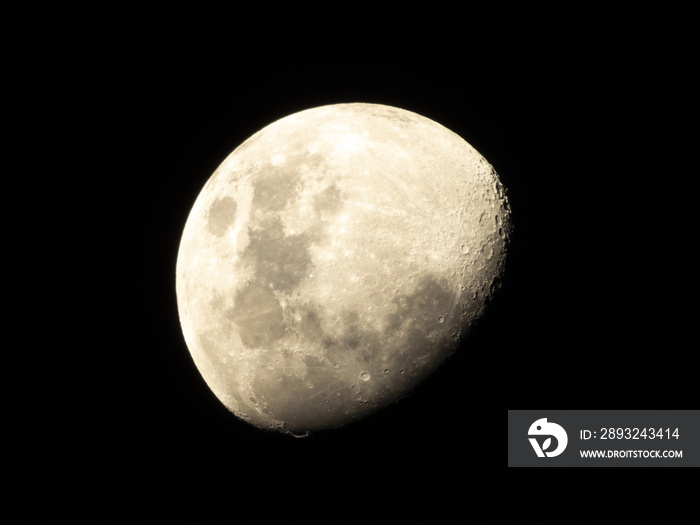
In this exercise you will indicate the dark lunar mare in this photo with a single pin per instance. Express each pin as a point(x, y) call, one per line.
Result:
point(324, 398)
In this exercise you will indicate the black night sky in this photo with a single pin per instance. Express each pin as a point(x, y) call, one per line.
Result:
point(119, 118)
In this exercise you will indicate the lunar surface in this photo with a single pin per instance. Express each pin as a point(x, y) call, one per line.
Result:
point(334, 260)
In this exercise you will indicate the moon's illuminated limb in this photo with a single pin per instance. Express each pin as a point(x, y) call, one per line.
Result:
point(334, 259)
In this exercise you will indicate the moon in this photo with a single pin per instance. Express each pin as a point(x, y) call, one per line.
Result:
point(334, 260)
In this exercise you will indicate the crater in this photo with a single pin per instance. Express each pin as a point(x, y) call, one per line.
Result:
point(221, 216)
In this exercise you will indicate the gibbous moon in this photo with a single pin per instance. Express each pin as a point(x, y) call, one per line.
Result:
point(334, 260)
